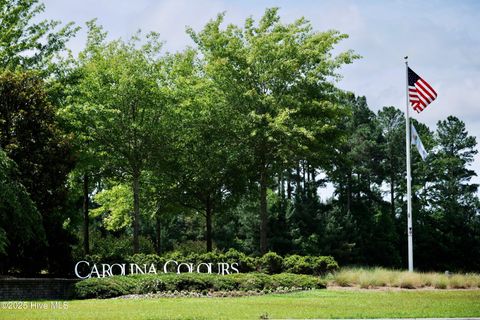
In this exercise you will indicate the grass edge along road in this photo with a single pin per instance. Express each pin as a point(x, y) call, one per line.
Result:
point(306, 304)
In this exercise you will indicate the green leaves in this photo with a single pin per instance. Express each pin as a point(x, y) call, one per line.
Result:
point(116, 206)
point(26, 44)
point(118, 99)
point(276, 75)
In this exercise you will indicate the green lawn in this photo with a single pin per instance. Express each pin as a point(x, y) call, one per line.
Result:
point(311, 304)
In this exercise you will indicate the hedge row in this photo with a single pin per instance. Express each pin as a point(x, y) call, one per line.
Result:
point(270, 263)
point(115, 286)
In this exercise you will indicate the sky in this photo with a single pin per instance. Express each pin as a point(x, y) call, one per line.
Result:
point(441, 39)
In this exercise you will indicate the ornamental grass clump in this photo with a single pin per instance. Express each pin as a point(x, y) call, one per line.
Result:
point(457, 281)
point(380, 277)
point(347, 277)
point(409, 280)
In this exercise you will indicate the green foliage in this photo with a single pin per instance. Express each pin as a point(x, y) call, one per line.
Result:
point(20, 222)
point(310, 265)
point(323, 265)
point(205, 163)
point(105, 287)
point(31, 137)
point(190, 246)
point(3, 241)
point(116, 205)
point(297, 264)
point(452, 219)
point(119, 94)
point(189, 151)
point(121, 285)
point(25, 43)
point(245, 263)
point(278, 77)
point(148, 259)
point(271, 263)
point(113, 248)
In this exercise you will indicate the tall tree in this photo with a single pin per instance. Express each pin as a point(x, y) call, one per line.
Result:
point(358, 176)
point(91, 162)
point(21, 228)
point(121, 100)
point(207, 154)
point(454, 204)
point(30, 136)
point(271, 72)
point(392, 125)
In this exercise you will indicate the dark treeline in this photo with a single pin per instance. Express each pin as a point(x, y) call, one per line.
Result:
point(242, 142)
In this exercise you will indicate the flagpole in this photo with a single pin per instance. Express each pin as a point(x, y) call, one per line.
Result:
point(409, 177)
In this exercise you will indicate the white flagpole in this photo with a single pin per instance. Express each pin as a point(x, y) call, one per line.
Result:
point(409, 179)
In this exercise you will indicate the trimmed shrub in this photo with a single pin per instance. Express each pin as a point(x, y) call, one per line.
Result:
point(245, 263)
point(323, 264)
point(256, 282)
point(271, 263)
point(297, 264)
point(193, 282)
point(229, 283)
point(105, 287)
point(150, 285)
point(320, 265)
point(189, 282)
point(290, 280)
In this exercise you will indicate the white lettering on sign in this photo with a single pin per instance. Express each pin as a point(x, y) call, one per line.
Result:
point(85, 269)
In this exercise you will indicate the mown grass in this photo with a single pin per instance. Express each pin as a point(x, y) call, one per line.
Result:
point(303, 305)
point(380, 277)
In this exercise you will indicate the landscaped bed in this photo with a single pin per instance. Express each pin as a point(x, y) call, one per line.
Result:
point(254, 283)
point(198, 283)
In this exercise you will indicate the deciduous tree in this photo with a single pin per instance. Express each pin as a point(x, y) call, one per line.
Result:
point(278, 76)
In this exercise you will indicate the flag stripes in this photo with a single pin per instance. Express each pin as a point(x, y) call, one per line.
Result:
point(420, 93)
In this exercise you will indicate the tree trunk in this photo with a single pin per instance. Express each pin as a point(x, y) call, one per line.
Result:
point(349, 192)
point(86, 221)
point(282, 187)
point(304, 175)
point(392, 194)
point(289, 185)
point(298, 179)
point(313, 182)
point(208, 215)
point(158, 234)
point(136, 209)
point(263, 210)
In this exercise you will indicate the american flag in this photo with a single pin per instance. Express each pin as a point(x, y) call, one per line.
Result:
point(421, 94)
